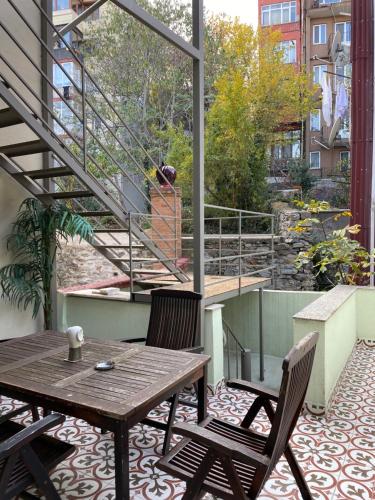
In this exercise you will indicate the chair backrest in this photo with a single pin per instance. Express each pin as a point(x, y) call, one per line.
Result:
point(297, 367)
point(174, 319)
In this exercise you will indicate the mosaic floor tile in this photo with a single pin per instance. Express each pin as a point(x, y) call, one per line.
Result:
point(336, 452)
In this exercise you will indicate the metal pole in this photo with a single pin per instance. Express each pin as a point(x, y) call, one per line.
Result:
point(220, 245)
point(131, 255)
point(273, 252)
point(198, 152)
point(240, 250)
point(84, 119)
point(261, 347)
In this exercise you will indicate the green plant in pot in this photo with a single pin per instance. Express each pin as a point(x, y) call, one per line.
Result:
point(36, 235)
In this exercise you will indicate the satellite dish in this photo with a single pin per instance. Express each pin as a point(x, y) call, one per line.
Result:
point(334, 132)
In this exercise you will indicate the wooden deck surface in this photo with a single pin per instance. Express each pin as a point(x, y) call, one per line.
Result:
point(216, 287)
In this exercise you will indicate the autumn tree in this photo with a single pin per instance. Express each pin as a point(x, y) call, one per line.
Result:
point(256, 93)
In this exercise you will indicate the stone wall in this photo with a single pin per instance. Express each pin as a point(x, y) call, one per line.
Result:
point(78, 263)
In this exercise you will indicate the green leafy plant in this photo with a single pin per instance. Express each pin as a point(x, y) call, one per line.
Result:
point(337, 257)
point(35, 236)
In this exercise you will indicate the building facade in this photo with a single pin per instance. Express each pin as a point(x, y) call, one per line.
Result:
point(320, 30)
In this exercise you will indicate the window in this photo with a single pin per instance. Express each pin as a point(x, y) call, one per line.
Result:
point(289, 146)
point(319, 34)
point(279, 13)
point(341, 72)
point(328, 2)
point(61, 4)
point(346, 32)
point(315, 160)
point(344, 132)
point(344, 161)
point(315, 122)
point(60, 79)
point(65, 115)
point(289, 51)
point(318, 73)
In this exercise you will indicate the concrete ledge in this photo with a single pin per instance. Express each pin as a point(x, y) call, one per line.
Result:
point(92, 294)
point(325, 307)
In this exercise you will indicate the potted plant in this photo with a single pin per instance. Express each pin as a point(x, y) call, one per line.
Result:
point(34, 239)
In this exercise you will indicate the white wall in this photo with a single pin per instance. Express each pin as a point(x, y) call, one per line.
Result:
point(13, 323)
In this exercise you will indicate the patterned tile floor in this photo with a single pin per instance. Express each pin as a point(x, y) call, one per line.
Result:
point(336, 452)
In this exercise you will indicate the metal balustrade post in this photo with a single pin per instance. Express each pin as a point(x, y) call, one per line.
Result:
point(84, 118)
point(131, 255)
point(273, 252)
point(220, 246)
point(261, 345)
point(240, 250)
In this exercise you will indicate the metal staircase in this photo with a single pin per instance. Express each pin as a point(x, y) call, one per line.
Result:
point(89, 158)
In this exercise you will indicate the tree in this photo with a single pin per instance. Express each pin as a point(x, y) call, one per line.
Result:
point(336, 257)
point(34, 238)
point(256, 93)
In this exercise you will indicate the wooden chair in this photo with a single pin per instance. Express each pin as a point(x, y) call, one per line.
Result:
point(26, 456)
point(174, 323)
point(235, 462)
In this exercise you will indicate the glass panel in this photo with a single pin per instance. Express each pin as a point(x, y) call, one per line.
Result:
point(62, 4)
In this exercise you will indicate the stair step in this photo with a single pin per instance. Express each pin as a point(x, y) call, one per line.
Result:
point(9, 117)
point(68, 195)
point(104, 213)
point(137, 259)
point(119, 247)
point(24, 148)
point(46, 173)
point(99, 231)
point(155, 272)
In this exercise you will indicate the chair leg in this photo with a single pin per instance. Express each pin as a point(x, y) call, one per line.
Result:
point(170, 422)
point(194, 486)
point(298, 474)
point(39, 473)
point(35, 413)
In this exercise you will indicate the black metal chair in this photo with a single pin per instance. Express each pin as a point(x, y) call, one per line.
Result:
point(174, 324)
point(27, 455)
point(235, 462)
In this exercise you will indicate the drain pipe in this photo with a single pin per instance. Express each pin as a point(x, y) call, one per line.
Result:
point(372, 224)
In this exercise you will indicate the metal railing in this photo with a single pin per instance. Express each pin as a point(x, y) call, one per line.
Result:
point(96, 128)
point(228, 234)
point(237, 359)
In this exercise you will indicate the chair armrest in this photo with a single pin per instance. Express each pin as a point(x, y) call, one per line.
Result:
point(133, 341)
point(193, 350)
point(14, 413)
point(221, 444)
point(28, 434)
point(259, 390)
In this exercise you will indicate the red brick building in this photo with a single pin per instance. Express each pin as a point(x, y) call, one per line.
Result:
point(285, 17)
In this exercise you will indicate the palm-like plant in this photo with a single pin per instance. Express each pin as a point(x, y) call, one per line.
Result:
point(34, 239)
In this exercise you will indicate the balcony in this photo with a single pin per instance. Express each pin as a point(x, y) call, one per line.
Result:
point(329, 8)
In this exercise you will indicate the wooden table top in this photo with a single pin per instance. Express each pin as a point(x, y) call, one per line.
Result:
point(36, 365)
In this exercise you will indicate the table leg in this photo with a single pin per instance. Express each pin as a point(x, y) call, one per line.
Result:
point(121, 439)
point(202, 396)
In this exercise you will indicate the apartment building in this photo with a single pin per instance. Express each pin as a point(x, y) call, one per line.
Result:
point(67, 70)
point(327, 40)
point(285, 17)
point(311, 26)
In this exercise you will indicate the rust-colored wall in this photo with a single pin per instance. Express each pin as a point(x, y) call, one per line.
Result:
point(362, 113)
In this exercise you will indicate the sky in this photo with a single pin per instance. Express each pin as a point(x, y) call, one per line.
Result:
point(246, 10)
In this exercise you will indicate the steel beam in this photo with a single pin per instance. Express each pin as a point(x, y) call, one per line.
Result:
point(132, 8)
point(78, 20)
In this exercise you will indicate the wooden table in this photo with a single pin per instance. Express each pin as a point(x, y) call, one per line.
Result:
point(33, 369)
